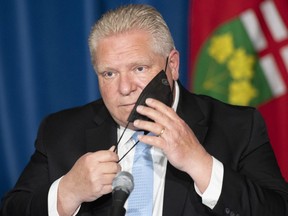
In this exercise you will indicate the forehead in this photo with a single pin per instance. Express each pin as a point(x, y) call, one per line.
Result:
point(126, 40)
point(124, 47)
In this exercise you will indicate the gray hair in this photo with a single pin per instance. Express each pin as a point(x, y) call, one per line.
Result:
point(133, 17)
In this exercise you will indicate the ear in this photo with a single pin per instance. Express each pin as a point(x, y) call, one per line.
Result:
point(173, 63)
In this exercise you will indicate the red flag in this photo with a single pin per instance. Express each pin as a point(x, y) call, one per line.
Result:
point(239, 54)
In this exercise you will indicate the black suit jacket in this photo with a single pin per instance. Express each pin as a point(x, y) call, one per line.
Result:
point(234, 135)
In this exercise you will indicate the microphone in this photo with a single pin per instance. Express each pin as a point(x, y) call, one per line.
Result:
point(122, 186)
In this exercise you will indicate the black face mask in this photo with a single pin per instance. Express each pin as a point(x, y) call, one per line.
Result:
point(159, 89)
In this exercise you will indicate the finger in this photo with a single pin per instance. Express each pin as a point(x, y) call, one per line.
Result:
point(105, 156)
point(107, 189)
point(163, 116)
point(152, 140)
point(151, 113)
point(159, 118)
point(112, 148)
point(109, 168)
point(107, 179)
point(103, 185)
point(153, 127)
point(160, 107)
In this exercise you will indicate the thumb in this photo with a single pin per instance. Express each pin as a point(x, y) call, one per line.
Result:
point(112, 148)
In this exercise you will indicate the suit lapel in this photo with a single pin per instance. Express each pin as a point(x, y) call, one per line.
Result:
point(104, 134)
point(193, 114)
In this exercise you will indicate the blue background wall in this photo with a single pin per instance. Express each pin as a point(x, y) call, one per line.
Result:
point(45, 66)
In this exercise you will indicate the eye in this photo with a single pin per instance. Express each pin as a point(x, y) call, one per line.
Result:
point(108, 74)
point(140, 69)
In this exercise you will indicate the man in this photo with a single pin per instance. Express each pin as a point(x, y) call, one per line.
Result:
point(209, 158)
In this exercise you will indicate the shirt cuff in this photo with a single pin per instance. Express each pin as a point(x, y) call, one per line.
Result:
point(212, 193)
point(52, 199)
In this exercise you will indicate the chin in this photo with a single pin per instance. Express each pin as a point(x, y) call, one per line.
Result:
point(130, 125)
point(122, 122)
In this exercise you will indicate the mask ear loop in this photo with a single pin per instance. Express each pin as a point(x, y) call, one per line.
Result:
point(166, 65)
point(116, 147)
point(145, 132)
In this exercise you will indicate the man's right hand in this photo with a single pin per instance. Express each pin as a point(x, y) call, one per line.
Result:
point(90, 178)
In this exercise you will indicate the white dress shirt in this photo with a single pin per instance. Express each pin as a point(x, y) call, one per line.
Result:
point(209, 197)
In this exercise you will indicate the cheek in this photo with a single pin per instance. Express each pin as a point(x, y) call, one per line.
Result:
point(109, 99)
point(106, 90)
point(142, 82)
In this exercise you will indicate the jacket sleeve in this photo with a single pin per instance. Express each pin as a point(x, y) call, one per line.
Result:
point(29, 196)
point(256, 186)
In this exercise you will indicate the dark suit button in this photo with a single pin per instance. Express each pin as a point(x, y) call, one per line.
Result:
point(227, 211)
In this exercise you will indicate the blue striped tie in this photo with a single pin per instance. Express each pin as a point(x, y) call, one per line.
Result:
point(140, 202)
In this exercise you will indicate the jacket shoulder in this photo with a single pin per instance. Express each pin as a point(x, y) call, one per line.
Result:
point(79, 115)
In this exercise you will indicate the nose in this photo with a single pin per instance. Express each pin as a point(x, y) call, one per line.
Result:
point(127, 84)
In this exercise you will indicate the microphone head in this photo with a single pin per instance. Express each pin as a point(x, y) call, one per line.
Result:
point(123, 181)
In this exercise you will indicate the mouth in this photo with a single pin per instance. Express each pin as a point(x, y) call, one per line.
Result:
point(128, 106)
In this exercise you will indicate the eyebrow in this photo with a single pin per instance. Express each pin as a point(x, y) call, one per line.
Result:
point(102, 68)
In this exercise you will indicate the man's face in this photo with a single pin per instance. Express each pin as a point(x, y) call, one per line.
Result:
point(125, 64)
